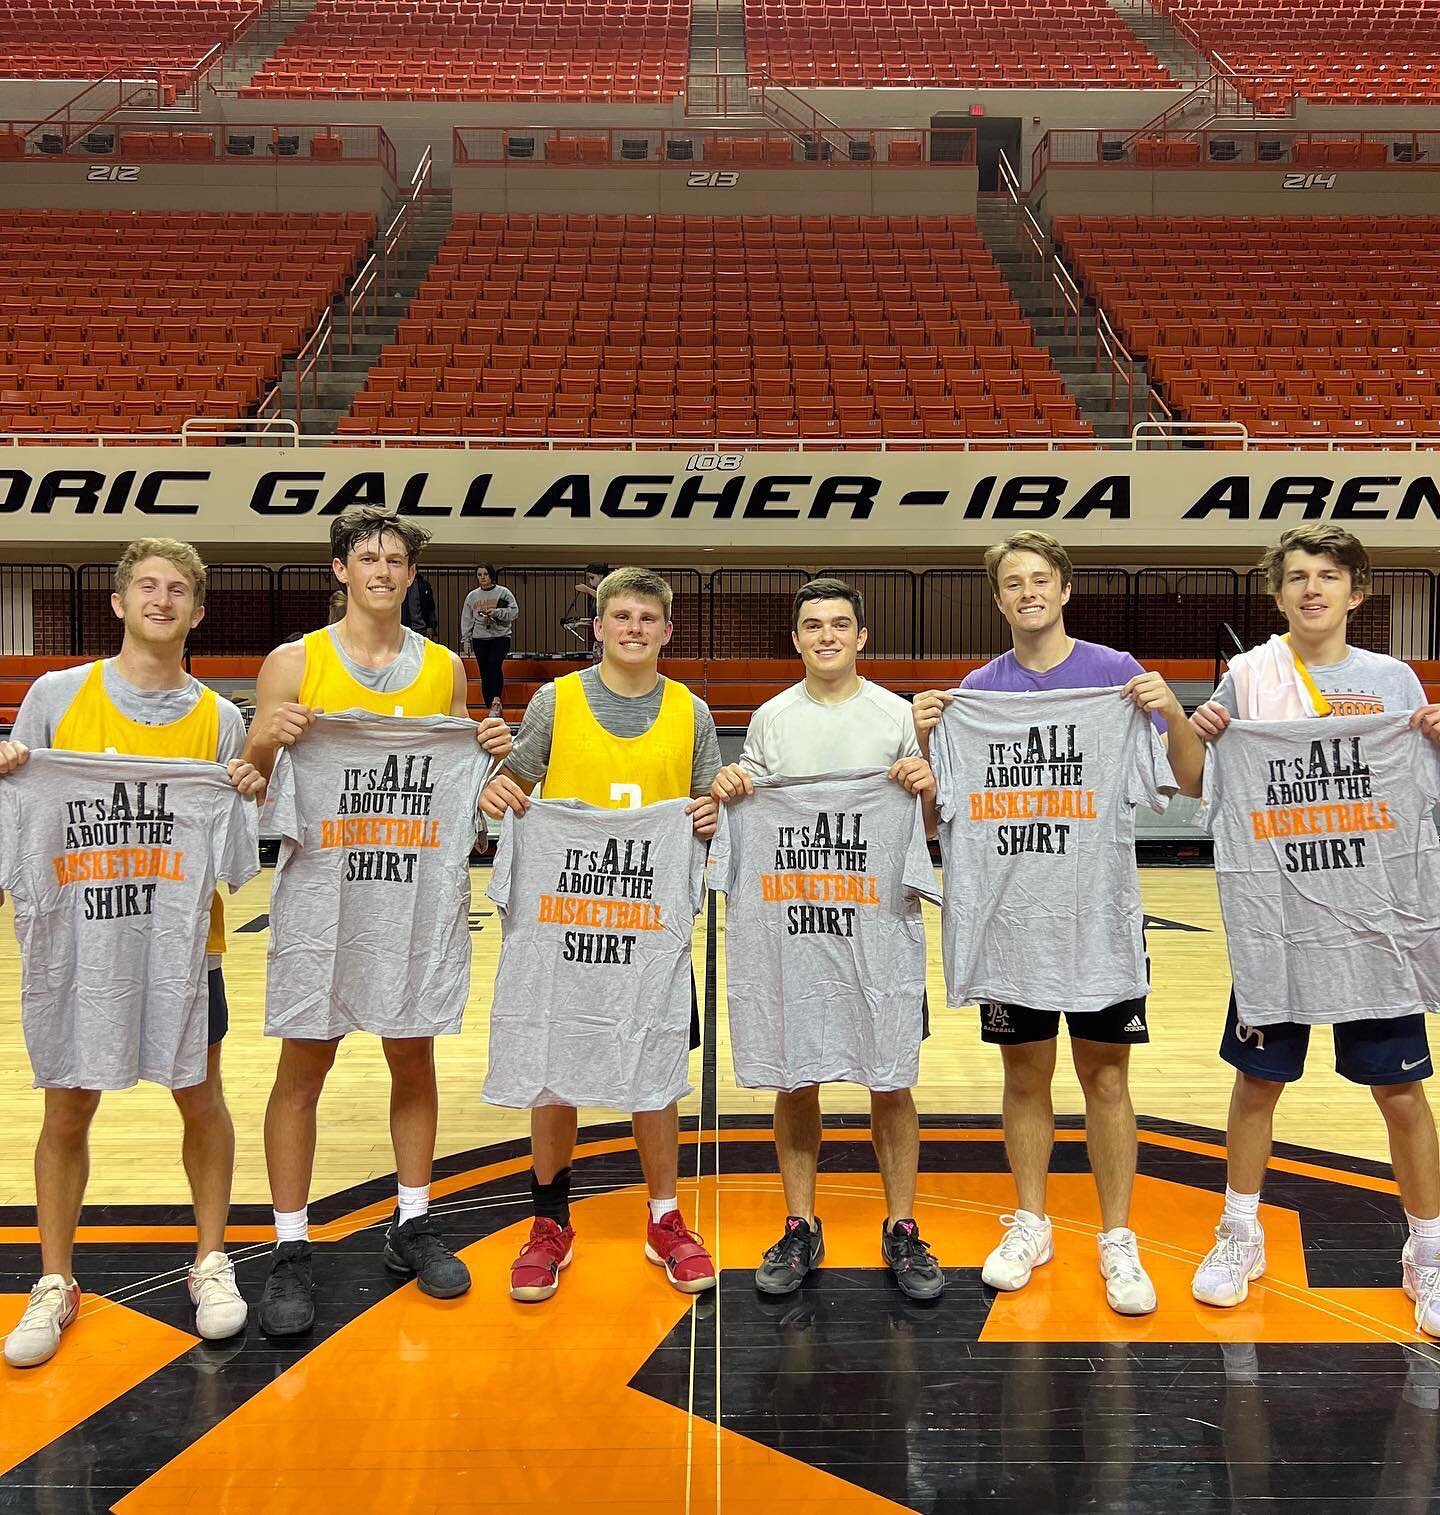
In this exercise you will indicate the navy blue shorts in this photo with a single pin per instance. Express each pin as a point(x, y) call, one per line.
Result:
point(1366, 1052)
point(219, 1008)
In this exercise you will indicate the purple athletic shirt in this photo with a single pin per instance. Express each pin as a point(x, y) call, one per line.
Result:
point(1089, 666)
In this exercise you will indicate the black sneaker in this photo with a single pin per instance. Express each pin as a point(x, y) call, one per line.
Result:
point(915, 1270)
point(287, 1307)
point(783, 1268)
point(417, 1251)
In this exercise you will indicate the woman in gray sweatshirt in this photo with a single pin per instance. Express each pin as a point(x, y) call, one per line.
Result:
point(490, 611)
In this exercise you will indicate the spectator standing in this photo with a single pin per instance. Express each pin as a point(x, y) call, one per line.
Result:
point(489, 613)
point(419, 612)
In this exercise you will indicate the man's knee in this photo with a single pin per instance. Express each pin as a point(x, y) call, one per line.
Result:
point(304, 1067)
point(1104, 1080)
point(1402, 1104)
point(69, 1112)
point(411, 1059)
point(798, 1101)
point(1029, 1071)
point(891, 1101)
point(1256, 1096)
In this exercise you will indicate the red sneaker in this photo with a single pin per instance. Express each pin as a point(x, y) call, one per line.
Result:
point(535, 1274)
point(687, 1264)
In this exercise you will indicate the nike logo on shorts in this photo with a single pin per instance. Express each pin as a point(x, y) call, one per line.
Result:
point(1406, 1067)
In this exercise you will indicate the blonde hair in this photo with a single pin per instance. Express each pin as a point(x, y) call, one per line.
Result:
point(637, 581)
point(1039, 542)
point(1320, 540)
point(180, 555)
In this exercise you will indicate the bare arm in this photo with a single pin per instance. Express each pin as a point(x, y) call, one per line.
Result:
point(280, 719)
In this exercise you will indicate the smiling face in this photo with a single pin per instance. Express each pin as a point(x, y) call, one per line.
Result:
point(1029, 593)
point(376, 573)
point(632, 630)
point(158, 606)
point(828, 637)
point(1316, 594)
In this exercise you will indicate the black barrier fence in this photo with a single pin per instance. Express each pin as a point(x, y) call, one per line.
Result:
point(51, 609)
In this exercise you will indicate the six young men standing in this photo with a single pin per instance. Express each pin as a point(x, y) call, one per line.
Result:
point(619, 735)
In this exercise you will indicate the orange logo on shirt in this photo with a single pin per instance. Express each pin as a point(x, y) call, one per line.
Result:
point(1319, 820)
point(604, 915)
point(120, 863)
point(1032, 804)
point(846, 888)
point(379, 831)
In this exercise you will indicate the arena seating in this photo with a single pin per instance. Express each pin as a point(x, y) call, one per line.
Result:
point(113, 321)
point(83, 39)
point(1295, 325)
point(756, 326)
point(1333, 52)
point(527, 50)
point(868, 43)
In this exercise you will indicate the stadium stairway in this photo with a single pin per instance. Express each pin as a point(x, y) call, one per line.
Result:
point(717, 37)
point(1157, 34)
point(346, 376)
point(1074, 361)
point(271, 31)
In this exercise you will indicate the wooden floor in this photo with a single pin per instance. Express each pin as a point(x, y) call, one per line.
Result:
point(136, 1149)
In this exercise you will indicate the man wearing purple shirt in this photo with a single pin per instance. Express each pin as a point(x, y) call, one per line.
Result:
point(1030, 576)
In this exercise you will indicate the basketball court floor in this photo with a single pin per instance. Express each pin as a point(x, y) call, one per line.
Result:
point(621, 1395)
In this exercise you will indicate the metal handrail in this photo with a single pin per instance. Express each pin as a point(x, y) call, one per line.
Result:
point(1066, 296)
point(1122, 364)
point(1221, 655)
point(307, 364)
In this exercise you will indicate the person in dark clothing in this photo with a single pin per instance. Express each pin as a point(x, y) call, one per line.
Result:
point(419, 612)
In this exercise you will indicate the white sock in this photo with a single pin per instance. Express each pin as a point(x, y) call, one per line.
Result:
point(413, 1202)
point(293, 1225)
point(1030, 1215)
point(1426, 1236)
point(1242, 1211)
point(660, 1208)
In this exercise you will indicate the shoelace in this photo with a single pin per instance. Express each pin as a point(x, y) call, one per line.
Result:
point(1020, 1237)
point(791, 1249)
point(49, 1300)
point(1122, 1262)
point(911, 1247)
point(216, 1286)
point(1229, 1251)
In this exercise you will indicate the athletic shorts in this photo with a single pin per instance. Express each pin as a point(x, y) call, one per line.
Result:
point(219, 1008)
point(1017, 1026)
point(1366, 1052)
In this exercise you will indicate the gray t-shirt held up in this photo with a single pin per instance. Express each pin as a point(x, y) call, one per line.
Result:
point(824, 940)
point(1037, 810)
point(112, 862)
point(1329, 867)
point(369, 916)
point(593, 994)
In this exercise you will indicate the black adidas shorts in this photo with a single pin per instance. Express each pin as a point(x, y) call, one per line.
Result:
point(1016, 1026)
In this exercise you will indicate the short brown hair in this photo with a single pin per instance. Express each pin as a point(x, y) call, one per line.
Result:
point(1321, 540)
point(828, 589)
point(180, 554)
point(639, 581)
point(361, 522)
point(1039, 542)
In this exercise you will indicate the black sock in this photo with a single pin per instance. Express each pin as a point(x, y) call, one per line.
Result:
point(552, 1200)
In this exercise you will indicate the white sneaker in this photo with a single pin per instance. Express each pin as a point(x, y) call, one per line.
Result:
point(52, 1307)
point(1028, 1243)
point(219, 1309)
point(1127, 1285)
point(1423, 1286)
point(1230, 1267)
